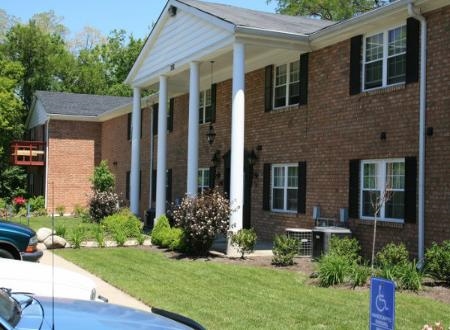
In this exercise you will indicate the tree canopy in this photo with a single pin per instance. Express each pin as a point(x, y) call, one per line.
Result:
point(334, 10)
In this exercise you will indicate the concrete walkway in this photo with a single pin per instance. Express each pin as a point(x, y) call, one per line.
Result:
point(114, 295)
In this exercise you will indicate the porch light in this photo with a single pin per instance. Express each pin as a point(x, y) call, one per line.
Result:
point(252, 158)
point(211, 135)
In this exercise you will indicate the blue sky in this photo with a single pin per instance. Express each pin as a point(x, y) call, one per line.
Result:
point(134, 16)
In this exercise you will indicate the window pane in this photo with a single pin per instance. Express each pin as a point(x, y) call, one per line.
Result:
point(373, 74)
point(280, 96)
point(397, 41)
point(278, 177)
point(374, 47)
point(293, 177)
point(370, 199)
point(208, 114)
point(294, 91)
point(395, 173)
point(370, 179)
point(396, 69)
point(395, 205)
point(208, 97)
point(292, 199)
point(277, 202)
point(281, 75)
point(294, 68)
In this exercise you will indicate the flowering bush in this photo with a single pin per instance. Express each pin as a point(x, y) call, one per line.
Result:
point(202, 218)
point(19, 201)
point(102, 204)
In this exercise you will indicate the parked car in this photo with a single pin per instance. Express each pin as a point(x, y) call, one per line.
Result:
point(22, 311)
point(45, 280)
point(18, 242)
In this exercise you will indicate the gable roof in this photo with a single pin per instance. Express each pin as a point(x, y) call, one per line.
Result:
point(241, 17)
point(85, 105)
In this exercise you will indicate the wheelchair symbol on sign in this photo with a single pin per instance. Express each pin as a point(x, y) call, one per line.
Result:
point(380, 302)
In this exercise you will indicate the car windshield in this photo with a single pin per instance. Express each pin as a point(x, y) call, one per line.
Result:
point(9, 308)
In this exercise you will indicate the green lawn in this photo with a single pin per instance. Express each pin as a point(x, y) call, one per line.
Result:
point(224, 296)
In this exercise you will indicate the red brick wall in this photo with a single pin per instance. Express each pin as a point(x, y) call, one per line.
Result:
point(73, 152)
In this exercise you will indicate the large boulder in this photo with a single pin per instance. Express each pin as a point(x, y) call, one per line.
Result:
point(43, 233)
point(56, 243)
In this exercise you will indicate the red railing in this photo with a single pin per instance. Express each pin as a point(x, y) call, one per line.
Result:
point(28, 153)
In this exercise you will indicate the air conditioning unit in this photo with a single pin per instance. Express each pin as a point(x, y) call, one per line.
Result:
point(304, 237)
point(322, 237)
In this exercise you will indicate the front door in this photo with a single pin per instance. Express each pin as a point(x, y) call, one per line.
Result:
point(248, 181)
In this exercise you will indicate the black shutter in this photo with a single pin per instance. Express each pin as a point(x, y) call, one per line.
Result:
point(169, 186)
point(412, 50)
point(301, 194)
point(212, 177)
point(303, 79)
point(355, 64)
point(153, 185)
point(155, 119)
point(266, 186)
point(127, 186)
point(213, 102)
point(129, 127)
point(410, 189)
point(170, 116)
point(268, 88)
point(353, 189)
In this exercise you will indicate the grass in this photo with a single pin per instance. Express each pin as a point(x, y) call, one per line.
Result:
point(225, 296)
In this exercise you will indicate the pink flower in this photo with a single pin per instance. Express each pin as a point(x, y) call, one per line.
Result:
point(19, 200)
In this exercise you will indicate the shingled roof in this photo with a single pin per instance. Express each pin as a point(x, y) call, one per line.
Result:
point(242, 17)
point(86, 105)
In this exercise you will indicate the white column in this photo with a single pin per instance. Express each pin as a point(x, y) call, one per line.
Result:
point(162, 149)
point(237, 141)
point(194, 94)
point(135, 151)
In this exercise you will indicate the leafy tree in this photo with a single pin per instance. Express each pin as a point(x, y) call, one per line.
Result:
point(49, 23)
point(334, 10)
point(103, 179)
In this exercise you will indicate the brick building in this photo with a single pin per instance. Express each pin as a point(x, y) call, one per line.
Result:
point(307, 115)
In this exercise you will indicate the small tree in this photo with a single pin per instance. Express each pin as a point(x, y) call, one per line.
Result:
point(202, 218)
point(244, 240)
point(104, 201)
point(103, 179)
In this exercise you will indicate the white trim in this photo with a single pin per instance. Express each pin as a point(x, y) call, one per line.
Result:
point(203, 173)
point(287, 84)
point(285, 187)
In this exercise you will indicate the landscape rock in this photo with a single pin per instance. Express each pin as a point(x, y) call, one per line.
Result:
point(43, 233)
point(57, 242)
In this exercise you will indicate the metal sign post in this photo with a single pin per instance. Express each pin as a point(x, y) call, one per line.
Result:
point(382, 304)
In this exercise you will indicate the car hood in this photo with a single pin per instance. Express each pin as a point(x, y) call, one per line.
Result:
point(15, 227)
point(80, 314)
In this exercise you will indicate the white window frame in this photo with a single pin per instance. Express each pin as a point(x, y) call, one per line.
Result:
point(380, 182)
point(285, 187)
point(288, 83)
point(203, 178)
point(204, 103)
point(384, 59)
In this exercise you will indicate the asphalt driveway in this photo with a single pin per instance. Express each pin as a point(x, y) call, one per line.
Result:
point(114, 295)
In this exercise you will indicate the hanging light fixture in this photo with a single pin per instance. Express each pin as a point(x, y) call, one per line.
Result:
point(211, 135)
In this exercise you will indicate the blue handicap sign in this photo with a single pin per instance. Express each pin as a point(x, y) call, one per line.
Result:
point(382, 304)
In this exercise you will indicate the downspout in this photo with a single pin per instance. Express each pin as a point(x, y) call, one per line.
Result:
point(47, 125)
point(422, 118)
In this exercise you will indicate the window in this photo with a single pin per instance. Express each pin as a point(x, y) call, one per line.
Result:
point(203, 179)
point(205, 114)
point(287, 83)
point(383, 188)
point(385, 58)
point(284, 187)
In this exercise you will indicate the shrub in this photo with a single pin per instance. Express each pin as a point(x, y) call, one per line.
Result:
point(244, 240)
point(345, 247)
point(77, 237)
point(437, 261)
point(177, 240)
point(37, 203)
point(284, 250)
point(392, 254)
point(333, 269)
point(359, 274)
point(202, 218)
point(141, 238)
point(103, 204)
point(122, 225)
point(159, 231)
point(78, 211)
point(102, 180)
point(100, 236)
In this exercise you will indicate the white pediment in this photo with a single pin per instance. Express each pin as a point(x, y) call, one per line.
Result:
point(177, 40)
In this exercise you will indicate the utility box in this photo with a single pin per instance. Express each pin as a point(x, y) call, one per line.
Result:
point(322, 237)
